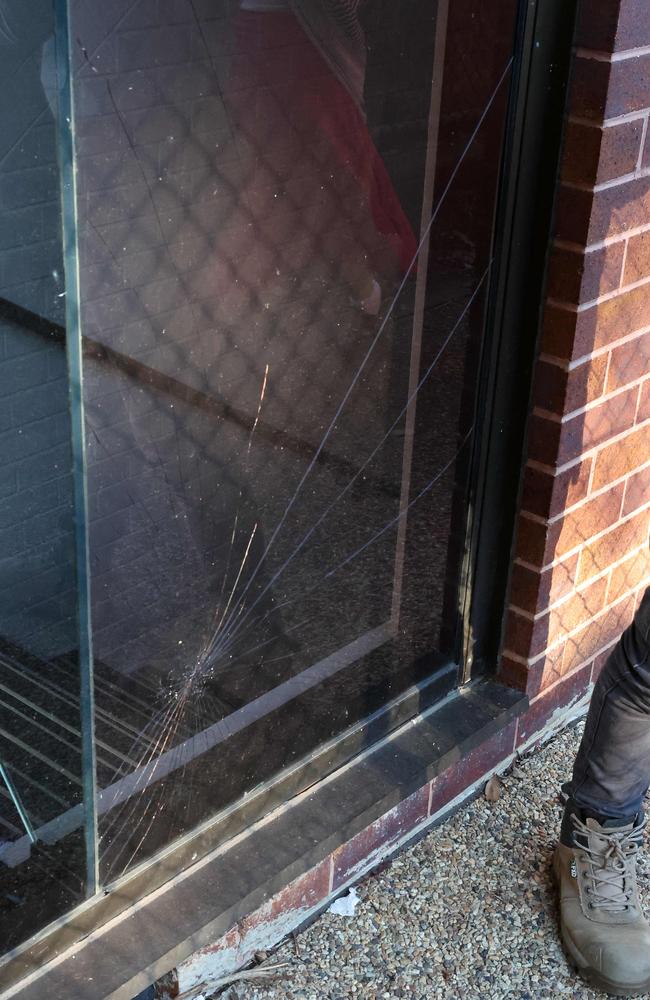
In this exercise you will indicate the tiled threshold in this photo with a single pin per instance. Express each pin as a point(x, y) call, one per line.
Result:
point(264, 883)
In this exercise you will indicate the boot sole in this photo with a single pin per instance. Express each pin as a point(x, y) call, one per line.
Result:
point(586, 971)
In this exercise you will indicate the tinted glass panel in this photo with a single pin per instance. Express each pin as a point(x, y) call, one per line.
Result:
point(42, 855)
point(285, 222)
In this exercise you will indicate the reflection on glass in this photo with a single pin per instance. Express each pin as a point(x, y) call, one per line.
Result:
point(42, 856)
point(272, 485)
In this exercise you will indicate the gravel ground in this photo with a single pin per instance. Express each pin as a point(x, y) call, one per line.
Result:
point(467, 912)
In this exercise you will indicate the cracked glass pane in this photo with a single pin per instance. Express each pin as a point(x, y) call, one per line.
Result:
point(42, 852)
point(285, 216)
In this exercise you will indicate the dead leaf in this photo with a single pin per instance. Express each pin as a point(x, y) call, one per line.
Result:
point(493, 788)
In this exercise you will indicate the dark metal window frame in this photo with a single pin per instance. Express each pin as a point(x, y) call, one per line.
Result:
point(525, 218)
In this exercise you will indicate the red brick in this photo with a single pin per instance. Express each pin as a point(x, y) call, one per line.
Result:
point(483, 758)
point(637, 493)
point(533, 591)
point(512, 673)
point(540, 544)
point(637, 261)
point(629, 362)
point(546, 495)
point(603, 630)
point(610, 547)
point(544, 439)
point(531, 541)
point(587, 520)
point(600, 89)
point(559, 332)
point(596, 425)
point(586, 217)
point(561, 391)
point(594, 153)
point(580, 277)
point(570, 335)
point(299, 896)
point(530, 638)
point(545, 671)
point(581, 153)
point(547, 542)
point(538, 715)
point(612, 27)
point(629, 574)
point(619, 150)
point(621, 457)
point(388, 829)
point(589, 87)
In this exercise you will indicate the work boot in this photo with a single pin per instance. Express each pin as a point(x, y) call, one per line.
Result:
point(601, 922)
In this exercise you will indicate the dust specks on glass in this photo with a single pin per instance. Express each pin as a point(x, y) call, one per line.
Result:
point(284, 235)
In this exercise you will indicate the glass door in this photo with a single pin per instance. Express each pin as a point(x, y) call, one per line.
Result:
point(285, 215)
point(279, 253)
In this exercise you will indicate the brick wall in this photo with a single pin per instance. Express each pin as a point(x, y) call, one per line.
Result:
point(582, 559)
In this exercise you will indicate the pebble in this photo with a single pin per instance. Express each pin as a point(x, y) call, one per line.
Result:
point(468, 912)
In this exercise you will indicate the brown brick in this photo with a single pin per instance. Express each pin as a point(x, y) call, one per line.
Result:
point(596, 425)
point(560, 391)
point(621, 457)
point(512, 673)
point(645, 161)
point(544, 439)
point(603, 90)
point(533, 591)
point(637, 492)
point(570, 335)
point(612, 27)
point(637, 261)
point(529, 638)
point(619, 150)
point(483, 758)
point(629, 362)
point(298, 897)
point(594, 153)
point(581, 154)
point(576, 278)
point(545, 543)
point(531, 541)
point(546, 495)
point(589, 88)
point(600, 554)
point(543, 707)
point(558, 332)
point(586, 217)
point(350, 859)
point(604, 629)
point(546, 670)
point(629, 574)
point(577, 610)
point(589, 519)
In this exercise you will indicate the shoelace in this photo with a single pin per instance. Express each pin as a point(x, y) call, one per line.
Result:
point(610, 868)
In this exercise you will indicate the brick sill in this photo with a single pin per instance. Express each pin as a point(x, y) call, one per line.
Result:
point(428, 761)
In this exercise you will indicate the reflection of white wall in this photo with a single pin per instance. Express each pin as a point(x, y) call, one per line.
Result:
point(37, 599)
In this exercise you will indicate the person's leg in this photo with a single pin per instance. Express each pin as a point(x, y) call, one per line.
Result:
point(611, 773)
point(601, 920)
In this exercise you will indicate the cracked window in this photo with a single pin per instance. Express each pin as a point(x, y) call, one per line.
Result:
point(284, 223)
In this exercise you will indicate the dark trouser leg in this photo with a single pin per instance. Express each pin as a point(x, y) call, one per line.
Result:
point(611, 773)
